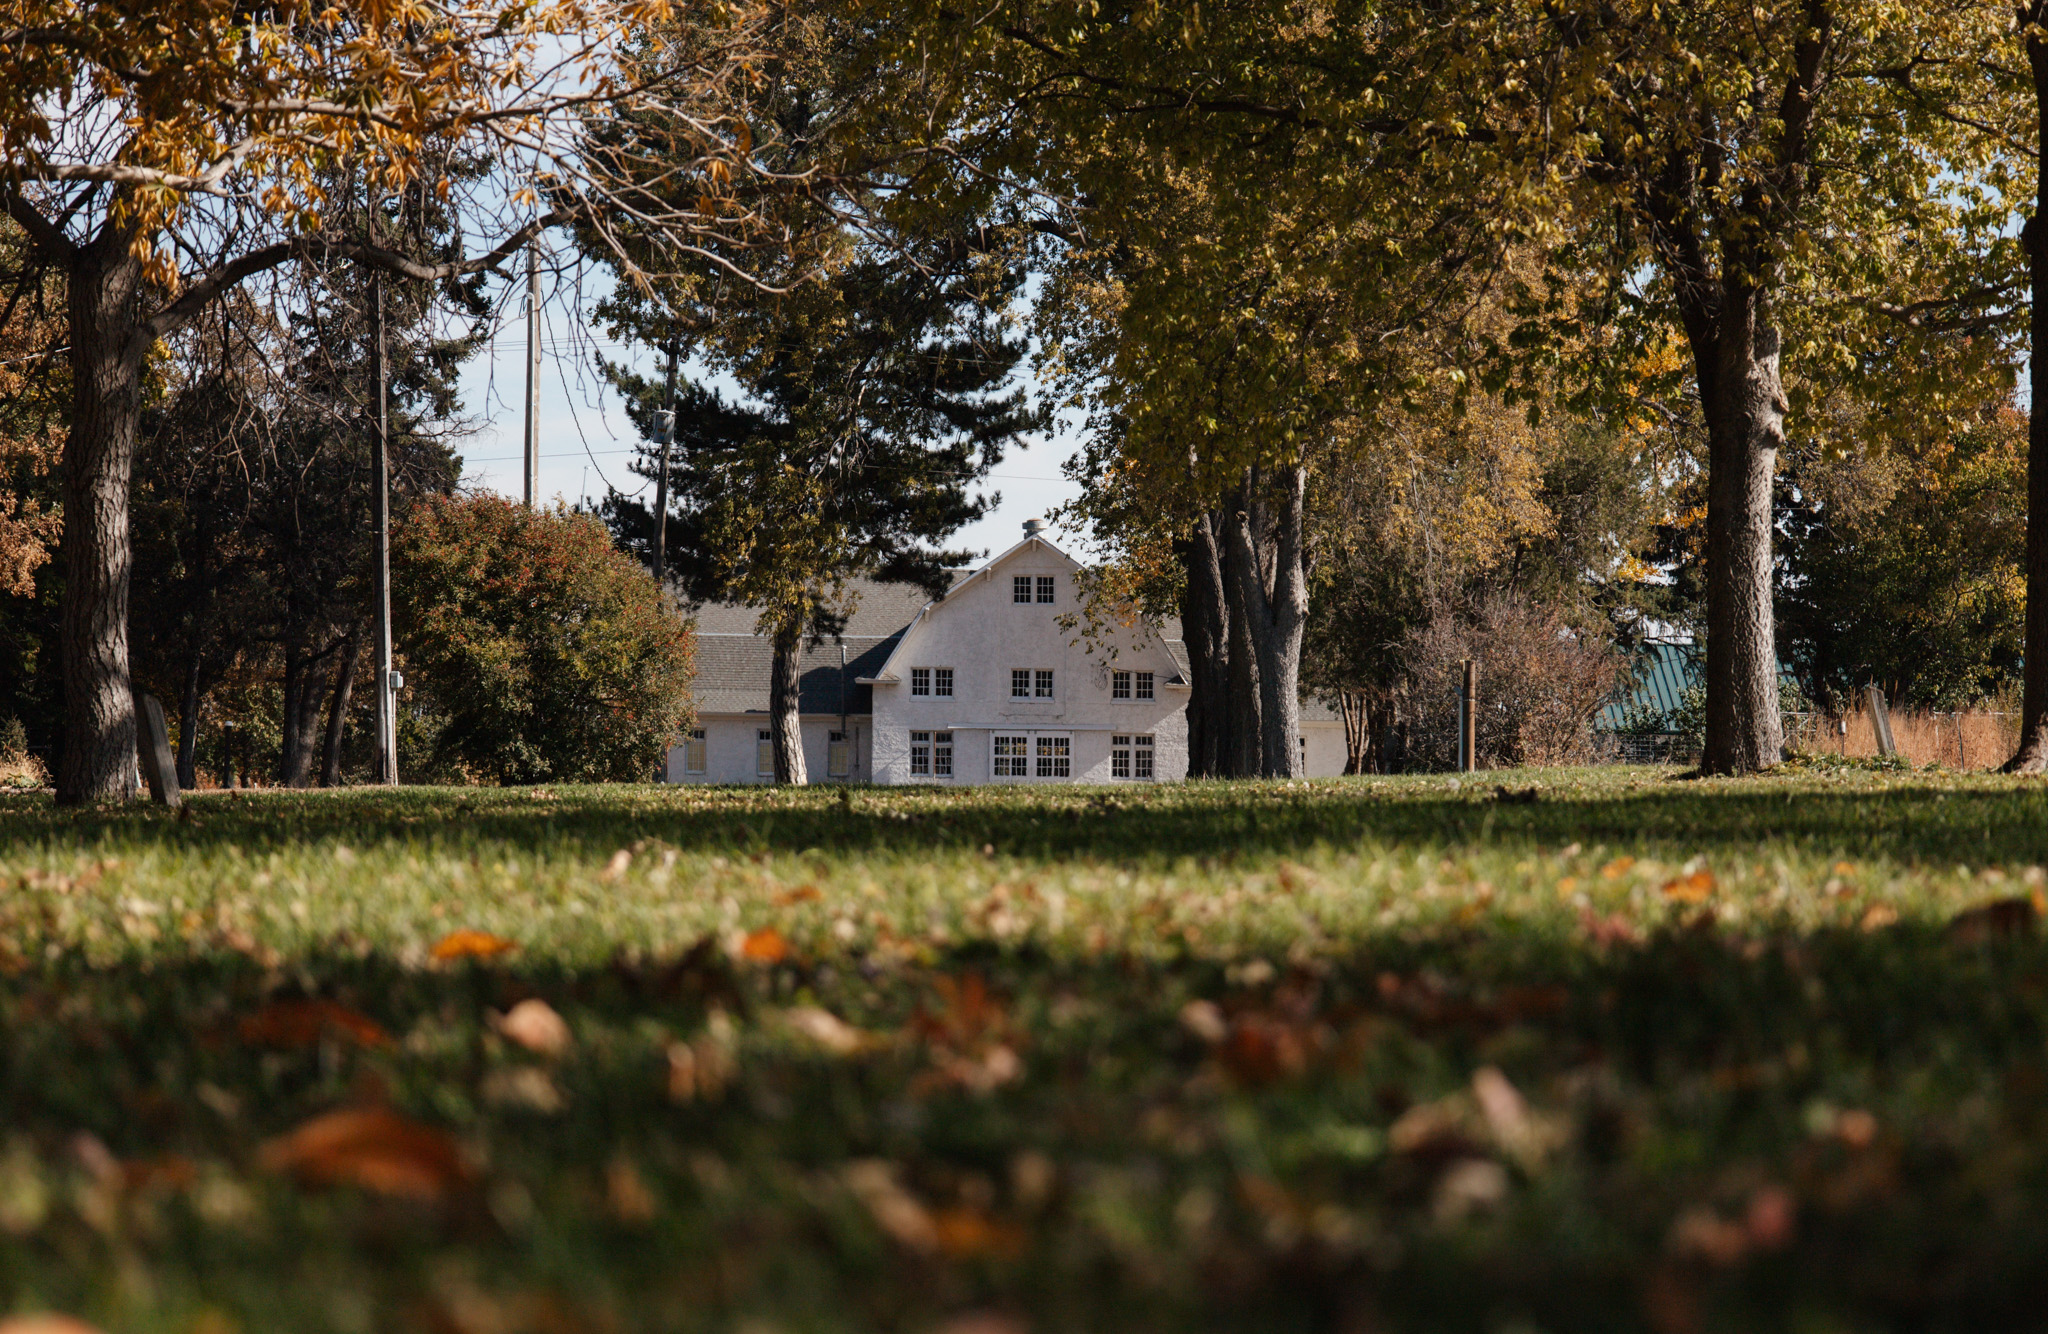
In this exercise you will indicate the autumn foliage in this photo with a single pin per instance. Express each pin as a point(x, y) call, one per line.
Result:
point(540, 652)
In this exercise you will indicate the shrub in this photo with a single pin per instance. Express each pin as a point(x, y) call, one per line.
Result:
point(1540, 683)
point(538, 651)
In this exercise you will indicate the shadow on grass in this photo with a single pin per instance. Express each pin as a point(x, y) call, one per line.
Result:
point(1908, 823)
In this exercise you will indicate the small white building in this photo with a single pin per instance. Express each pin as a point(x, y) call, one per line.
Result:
point(983, 685)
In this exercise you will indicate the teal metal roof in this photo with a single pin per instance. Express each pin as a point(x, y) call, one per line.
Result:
point(1663, 672)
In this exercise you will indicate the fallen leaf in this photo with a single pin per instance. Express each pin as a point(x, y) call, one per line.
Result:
point(616, 867)
point(522, 1088)
point(1880, 916)
point(969, 1233)
point(534, 1025)
point(371, 1147)
point(803, 894)
point(2001, 919)
point(895, 1210)
point(302, 1023)
point(983, 1322)
point(626, 1194)
point(826, 1029)
point(1695, 888)
point(467, 944)
point(46, 1322)
point(1617, 868)
point(764, 946)
point(1204, 1019)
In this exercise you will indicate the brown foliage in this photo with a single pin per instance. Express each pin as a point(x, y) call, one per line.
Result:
point(1540, 683)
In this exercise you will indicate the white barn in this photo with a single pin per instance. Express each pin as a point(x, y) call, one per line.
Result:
point(980, 686)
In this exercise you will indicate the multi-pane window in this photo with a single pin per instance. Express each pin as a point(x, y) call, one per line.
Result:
point(1130, 757)
point(920, 680)
point(1012, 757)
point(942, 682)
point(1020, 588)
point(942, 754)
point(921, 753)
point(1142, 681)
point(838, 755)
point(1020, 683)
point(1041, 683)
point(1119, 685)
point(1054, 758)
point(1046, 588)
point(764, 753)
point(696, 753)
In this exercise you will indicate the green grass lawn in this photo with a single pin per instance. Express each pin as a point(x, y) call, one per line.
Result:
point(1359, 1055)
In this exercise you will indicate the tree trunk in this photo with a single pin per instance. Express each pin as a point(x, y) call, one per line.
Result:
point(337, 709)
point(2032, 756)
point(1269, 583)
point(301, 717)
point(1352, 708)
point(1205, 631)
point(99, 457)
point(1744, 408)
point(785, 720)
point(188, 721)
point(1240, 574)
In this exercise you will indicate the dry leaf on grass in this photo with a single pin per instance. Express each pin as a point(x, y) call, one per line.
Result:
point(616, 867)
point(534, 1025)
point(2001, 919)
point(371, 1147)
point(47, 1322)
point(764, 946)
point(302, 1023)
point(467, 944)
point(1695, 888)
point(826, 1029)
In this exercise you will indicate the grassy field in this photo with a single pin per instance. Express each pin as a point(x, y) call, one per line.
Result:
point(1604, 1050)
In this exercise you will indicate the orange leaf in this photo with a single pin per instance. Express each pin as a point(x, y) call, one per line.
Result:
point(371, 1147)
point(1695, 888)
point(302, 1023)
point(806, 894)
point(765, 946)
point(966, 1233)
point(467, 944)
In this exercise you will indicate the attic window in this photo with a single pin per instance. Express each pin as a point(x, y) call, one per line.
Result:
point(1020, 588)
point(920, 680)
point(1047, 587)
point(1143, 681)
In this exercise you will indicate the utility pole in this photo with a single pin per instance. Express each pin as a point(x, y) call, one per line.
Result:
point(1468, 718)
point(380, 501)
point(532, 374)
point(668, 442)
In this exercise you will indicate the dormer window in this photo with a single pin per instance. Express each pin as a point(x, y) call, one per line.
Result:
point(1020, 588)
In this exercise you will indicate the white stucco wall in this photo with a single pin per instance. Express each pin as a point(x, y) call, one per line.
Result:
point(730, 739)
point(980, 632)
point(1325, 753)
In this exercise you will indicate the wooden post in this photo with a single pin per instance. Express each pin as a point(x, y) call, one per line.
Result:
point(1880, 720)
point(153, 746)
point(1468, 719)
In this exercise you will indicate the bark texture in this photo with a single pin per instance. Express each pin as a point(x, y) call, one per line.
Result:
point(2032, 755)
point(785, 720)
point(1205, 630)
point(1745, 428)
point(99, 458)
point(337, 709)
point(1269, 589)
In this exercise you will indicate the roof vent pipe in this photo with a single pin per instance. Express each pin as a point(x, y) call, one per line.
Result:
point(1033, 527)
